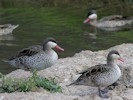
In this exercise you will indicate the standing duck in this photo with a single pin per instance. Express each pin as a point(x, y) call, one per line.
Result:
point(7, 29)
point(102, 75)
point(36, 57)
point(109, 23)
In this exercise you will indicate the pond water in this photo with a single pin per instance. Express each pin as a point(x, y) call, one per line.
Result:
point(68, 30)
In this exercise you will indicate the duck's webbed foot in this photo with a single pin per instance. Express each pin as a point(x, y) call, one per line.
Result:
point(102, 93)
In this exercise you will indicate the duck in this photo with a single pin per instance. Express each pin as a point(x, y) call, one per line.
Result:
point(36, 57)
point(7, 28)
point(109, 23)
point(101, 75)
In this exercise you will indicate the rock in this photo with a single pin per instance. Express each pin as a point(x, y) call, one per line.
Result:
point(116, 98)
point(67, 70)
point(36, 96)
point(19, 74)
point(127, 94)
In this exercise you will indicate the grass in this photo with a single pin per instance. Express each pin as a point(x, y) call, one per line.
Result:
point(32, 83)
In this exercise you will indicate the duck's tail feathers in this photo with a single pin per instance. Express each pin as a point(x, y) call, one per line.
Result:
point(5, 60)
point(74, 83)
point(15, 26)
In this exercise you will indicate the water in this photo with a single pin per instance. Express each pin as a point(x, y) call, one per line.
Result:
point(68, 30)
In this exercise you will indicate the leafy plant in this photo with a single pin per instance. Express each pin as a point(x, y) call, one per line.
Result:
point(24, 85)
point(48, 84)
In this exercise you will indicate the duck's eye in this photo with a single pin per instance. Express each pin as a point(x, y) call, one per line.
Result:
point(117, 53)
point(53, 41)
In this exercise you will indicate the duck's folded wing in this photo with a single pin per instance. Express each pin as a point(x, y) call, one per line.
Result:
point(29, 51)
point(5, 26)
point(32, 50)
point(90, 72)
point(94, 70)
point(111, 18)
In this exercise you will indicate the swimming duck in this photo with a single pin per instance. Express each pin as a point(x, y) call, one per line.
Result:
point(109, 23)
point(36, 57)
point(7, 29)
point(102, 75)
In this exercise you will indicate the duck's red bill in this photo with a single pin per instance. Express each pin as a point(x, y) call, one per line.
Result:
point(86, 20)
point(59, 48)
point(121, 59)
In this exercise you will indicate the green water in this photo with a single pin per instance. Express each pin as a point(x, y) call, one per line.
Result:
point(64, 24)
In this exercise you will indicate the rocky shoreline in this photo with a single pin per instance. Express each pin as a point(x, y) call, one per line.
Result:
point(66, 70)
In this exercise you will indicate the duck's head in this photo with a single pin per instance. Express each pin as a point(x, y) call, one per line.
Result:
point(91, 16)
point(114, 55)
point(50, 43)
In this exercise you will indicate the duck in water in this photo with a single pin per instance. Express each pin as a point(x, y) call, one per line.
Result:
point(109, 23)
point(102, 75)
point(7, 29)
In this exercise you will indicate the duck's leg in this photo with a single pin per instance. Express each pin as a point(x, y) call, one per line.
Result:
point(105, 90)
point(112, 86)
point(102, 93)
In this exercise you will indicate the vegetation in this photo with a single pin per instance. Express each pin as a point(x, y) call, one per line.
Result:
point(55, 3)
point(24, 85)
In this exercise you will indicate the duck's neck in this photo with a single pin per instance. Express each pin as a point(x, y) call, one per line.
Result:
point(46, 48)
point(93, 22)
point(111, 62)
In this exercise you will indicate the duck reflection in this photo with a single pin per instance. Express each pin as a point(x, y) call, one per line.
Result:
point(6, 40)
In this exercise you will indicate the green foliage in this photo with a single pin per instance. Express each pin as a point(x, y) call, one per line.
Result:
point(55, 3)
point(48, 84)
point(24, 85)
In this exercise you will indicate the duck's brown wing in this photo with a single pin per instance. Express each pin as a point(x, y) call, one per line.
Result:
point(29, 51)
point(90, 72)
point(5, 26)
point(110, 18)
point(95, 69)
point(116, 18)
